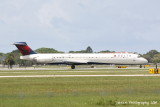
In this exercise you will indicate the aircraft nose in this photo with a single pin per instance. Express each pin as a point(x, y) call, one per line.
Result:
point(145, 61)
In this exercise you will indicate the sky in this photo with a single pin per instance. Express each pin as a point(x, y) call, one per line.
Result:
point(65, 25)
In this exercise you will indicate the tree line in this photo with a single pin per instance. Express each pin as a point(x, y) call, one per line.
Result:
point(13, 58)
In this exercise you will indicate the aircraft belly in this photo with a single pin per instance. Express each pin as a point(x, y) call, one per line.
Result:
point(69, 60)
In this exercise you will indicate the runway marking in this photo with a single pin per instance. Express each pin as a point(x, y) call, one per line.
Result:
point(37, 76)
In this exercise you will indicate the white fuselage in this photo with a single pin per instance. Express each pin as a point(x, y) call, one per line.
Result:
point(77, 58)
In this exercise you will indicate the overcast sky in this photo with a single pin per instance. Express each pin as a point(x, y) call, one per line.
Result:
point(65, 25)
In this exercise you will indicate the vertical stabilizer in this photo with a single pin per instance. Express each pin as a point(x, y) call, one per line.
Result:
point(24, 48)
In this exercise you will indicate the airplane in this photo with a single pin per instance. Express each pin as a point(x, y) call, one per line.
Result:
point(117, 58)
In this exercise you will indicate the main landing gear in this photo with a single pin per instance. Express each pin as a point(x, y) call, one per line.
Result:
point(140, 66)
point(73, 66)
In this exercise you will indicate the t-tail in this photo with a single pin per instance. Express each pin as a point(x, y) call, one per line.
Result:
point(24, 48)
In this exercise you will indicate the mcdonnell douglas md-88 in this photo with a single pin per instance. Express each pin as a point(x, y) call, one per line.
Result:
point(119, 58)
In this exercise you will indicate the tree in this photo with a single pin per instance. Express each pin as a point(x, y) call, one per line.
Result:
point(1, 58)
point(82, 51)
point(149, 55)
point(105, 51)
point(89, 50)
point(47, 50)
point(9, 60)
point(152, 53)
point(156, 58)
point(1, 54)
point(19, 61)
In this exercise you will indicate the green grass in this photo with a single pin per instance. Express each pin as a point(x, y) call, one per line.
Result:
point(79, 91)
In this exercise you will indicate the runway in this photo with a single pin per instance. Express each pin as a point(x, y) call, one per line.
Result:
point(43, 76)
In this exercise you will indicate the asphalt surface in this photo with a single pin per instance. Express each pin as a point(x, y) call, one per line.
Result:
point(65, 68)
point(38, 76)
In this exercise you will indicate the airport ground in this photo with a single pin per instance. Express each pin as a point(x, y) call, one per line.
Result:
point(83, 87)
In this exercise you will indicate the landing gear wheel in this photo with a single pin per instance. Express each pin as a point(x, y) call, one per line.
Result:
point(140, 66)
point(73, 67)
point(92, 66)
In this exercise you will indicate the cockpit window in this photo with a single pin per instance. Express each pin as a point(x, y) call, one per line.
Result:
point(138, 56)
